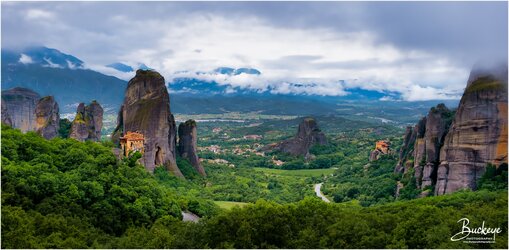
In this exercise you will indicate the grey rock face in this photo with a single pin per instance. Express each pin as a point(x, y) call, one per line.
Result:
point(427, 138)
point(451, 151)
point(308, 135)
point(47, 117)
point(187, 145)
point(146, 110)
point(87, 124)
point(18, 108)
point(438, 121)
point(478, 134)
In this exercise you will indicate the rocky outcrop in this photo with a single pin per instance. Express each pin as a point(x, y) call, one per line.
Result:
point(308, 135)
point(146, 110)
point(88, 122)
point(187, 145)
point(18, 108)
point(451, 150)
point(478, 134)
point(47, 117)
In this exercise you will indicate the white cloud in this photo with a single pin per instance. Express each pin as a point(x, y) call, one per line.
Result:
point(316, 57)
point(356, 57)
point(24, 59)
point(418, 93)
point(38, 14)
point(387, 98)
point(111, 71)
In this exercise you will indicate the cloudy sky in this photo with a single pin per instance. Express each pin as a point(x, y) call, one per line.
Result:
point(422, 50)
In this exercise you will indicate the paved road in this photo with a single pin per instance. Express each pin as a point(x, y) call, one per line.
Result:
point(319, 193)
point(188, 216)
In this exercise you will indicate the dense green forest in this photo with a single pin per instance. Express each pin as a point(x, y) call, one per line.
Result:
point(67, 194)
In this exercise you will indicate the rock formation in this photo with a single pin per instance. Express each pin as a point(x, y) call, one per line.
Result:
point(405, 150)
point(6, 117)
point(426, 158)
point(146, 110)
point(308, 135)
point(18, 108)
point(47, 117)
point(451, 150)
point(88, 122)
point(478, 134)
point(24, 109)
point(187, 145)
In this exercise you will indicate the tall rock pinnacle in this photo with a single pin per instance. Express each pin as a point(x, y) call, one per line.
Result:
point(451, 150)
point(187, 145)
point(308, 135)
point(47, 117)
point(87, 124)
point(146, 110)
point(478, 134)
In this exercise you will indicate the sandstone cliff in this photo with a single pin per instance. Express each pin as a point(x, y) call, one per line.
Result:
point(478, 134)
point(146, 109)
point(451, 150)
point(187, 145)
point(47, 117)
point(308, 135)
point(87, 124)
point(18, 108)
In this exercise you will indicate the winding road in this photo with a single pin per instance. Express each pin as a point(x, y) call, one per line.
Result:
point(188, 216)
point(319, 193)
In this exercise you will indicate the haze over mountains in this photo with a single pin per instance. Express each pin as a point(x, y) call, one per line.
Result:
point(51, 72)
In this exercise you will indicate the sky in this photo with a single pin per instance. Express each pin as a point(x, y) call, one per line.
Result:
point(420, 50)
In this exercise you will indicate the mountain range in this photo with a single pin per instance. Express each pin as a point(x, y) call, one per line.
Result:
point(48, 71)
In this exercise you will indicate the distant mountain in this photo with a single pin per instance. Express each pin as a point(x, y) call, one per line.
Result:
point(41, 56)
point(196, 96)
point(51, 72)
point(195, 86)
point(121, 67)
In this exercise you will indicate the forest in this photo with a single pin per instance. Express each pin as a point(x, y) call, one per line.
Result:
point(67, 194)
